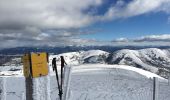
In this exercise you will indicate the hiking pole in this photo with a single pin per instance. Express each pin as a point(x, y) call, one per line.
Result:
point(59, 88)
point(54, 66)
point(62, 66)
point(61, 84)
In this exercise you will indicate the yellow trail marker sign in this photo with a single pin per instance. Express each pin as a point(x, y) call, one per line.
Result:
point(35, 64)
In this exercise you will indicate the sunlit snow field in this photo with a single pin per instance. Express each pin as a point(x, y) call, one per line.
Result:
point(92, 82)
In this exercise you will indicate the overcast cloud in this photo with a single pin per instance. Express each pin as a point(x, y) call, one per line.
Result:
point(60, 22)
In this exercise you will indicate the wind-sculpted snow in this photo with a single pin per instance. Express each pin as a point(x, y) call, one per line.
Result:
point(164, 90)
point(109, 87)
point(13, 88)
point(91, 82)
point(42, 88)
point(105, 82)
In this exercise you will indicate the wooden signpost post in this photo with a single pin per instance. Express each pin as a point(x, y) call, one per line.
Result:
point(34, 65)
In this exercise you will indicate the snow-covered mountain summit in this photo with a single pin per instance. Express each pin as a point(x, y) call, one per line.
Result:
point(82, 57)
point(151, 59)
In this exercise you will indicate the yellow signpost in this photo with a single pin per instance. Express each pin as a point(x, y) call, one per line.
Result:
point(26, 64)
point(35, 64)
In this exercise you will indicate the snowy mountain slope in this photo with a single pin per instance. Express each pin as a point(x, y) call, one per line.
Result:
point(94, 56)
point(130, 57)
point(151, 59)
point(72, 58)
point(75, 58)
point(155, 57)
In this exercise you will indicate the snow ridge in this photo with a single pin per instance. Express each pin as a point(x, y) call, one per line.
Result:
point(151, 59)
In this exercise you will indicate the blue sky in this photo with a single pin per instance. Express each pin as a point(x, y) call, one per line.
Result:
point(84, 22)
point(137, 26)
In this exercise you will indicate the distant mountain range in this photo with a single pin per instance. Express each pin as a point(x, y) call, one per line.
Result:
point(63, 49)
point(156, 60)
point(151, 59)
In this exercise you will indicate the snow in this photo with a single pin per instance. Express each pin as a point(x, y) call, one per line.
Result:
point(2, 88)
point(151, 59)
point(108, 87)
point(11, 73)
point(135, 56)
point(154, 52)
point(91, 67)
point(75, 58)
point(91, 82)
point(42, 87)
point(91, 53)
point(12, 88)
point(108, 82)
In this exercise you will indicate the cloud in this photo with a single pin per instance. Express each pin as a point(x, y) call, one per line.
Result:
point(136, 7)
point(34, 16)
point(150, 40)
point(120, 40)
point(50, 38)
point(60, 22)
point(44, 14)
point(44, 22)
